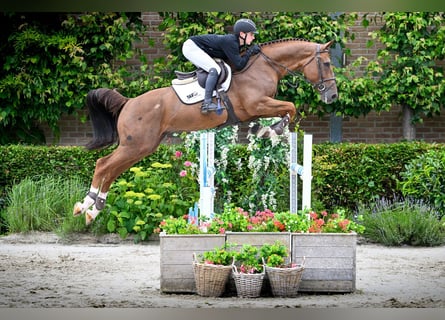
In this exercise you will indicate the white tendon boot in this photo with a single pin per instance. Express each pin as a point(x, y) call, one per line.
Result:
point(88, 201)
point(90, 215)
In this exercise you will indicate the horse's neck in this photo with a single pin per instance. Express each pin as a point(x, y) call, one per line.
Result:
point(293, 53)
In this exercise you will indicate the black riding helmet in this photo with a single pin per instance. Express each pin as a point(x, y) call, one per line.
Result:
point(244, 25)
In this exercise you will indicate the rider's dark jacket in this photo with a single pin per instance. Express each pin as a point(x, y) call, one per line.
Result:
point(225, 47)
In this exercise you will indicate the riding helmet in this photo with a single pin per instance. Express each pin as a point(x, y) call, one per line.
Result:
point(244, 25)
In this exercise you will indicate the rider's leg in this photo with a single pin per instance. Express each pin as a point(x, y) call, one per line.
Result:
point(201, 59)
point(208, 104)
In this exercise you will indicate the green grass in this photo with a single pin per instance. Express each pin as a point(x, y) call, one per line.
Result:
point(44, 204)
point(402, 223)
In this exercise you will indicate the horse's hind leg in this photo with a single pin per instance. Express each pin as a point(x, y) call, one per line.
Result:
point(88, 201)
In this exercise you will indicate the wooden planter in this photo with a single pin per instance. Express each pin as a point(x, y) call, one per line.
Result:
point(177, 259)
point(330, 261)
point(329, 267)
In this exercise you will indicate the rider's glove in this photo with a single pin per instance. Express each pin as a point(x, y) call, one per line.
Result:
point(254, 50)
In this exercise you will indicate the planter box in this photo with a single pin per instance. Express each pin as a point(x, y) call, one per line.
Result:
point(176, 259)
point(330, 258)
point(330, 261)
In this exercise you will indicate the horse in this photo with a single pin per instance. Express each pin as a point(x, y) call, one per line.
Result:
point(138, 125)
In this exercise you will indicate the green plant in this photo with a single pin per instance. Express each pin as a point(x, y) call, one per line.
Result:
point(334, 222)
point(402, 222)
point(138, 203)
point(235, 219)
point(409, 74)
point(44, 204)
point(50, 62)
point(424, 178)
point(275, 254)
point(248, 259)
point(220, 255)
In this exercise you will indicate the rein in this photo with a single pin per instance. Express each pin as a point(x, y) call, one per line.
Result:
point(320, 86)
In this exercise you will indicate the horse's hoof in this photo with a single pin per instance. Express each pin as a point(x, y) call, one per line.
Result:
point(77, 211)
point(88, 219)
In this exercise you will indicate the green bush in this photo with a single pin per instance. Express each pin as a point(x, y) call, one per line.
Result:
point(138, 204)
point(424, 179)
point(346, 175)
point(49, 62)
point(396, 223)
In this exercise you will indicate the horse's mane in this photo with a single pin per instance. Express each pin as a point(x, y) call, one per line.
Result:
point(282, 40)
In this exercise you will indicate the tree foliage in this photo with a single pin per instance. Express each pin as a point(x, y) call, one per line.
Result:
point(50, 61)
point(408, 66)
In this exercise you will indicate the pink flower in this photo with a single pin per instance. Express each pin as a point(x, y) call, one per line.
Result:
point(313, 215)
point(222, 230)
point(178, 154)
point(187, 164)
point(183, 173)
point(324, 213)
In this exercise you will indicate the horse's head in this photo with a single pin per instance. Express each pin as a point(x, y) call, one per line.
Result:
point(318, 71)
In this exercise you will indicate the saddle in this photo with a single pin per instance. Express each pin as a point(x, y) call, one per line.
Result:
point(201, 75)
point(190, 86)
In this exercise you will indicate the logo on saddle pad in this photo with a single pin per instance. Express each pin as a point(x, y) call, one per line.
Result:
point(189, 86)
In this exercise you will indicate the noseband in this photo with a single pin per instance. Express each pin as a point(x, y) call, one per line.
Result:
point(320, 84)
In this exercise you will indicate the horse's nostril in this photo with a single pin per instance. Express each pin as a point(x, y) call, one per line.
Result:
point(334, 97)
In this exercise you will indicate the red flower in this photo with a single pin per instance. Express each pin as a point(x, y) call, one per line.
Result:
point(313, 215)
point(279, 225)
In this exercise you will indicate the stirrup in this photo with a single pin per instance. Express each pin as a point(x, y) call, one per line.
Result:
point(208, 107)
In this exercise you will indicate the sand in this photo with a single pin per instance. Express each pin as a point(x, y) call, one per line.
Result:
point(45, 271)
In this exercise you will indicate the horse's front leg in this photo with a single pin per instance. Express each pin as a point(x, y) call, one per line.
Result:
point(279, 126)
point(269, 108)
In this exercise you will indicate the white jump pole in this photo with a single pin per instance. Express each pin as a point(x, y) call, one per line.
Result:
point(304, 171)
point(206, 174)
point(307, 172)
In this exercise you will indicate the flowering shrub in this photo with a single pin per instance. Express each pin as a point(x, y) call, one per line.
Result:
point(236, 219)
point(138, 203)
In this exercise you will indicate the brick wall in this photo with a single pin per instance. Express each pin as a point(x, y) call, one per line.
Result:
point(374, 128)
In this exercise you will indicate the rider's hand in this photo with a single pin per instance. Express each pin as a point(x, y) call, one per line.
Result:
point(254, 49)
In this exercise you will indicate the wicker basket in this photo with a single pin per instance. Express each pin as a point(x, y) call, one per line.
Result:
point(284, 282)
point(248, 285)
point(210, 279)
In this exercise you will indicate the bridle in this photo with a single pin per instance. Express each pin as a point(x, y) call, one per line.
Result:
point(319, 85)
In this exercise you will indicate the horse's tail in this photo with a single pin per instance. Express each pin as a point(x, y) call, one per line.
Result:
point(104, 106)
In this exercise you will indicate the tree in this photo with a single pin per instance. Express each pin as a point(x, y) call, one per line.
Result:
point(408, 68)
point(50, 61)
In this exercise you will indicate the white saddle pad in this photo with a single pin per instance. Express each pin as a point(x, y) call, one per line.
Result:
point(190, 92)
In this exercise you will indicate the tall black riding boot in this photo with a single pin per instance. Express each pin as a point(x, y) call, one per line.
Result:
point(208, 105)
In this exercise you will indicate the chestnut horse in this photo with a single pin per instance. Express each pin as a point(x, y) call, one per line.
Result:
point(139, 124)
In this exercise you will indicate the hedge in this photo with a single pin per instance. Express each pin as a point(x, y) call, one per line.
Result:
point(344, 175)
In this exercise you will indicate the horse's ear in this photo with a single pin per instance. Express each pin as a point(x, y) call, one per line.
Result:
point(328, 44)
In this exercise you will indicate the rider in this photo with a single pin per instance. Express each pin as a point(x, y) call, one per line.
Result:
point(201, 49)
